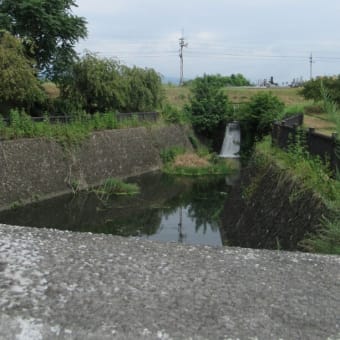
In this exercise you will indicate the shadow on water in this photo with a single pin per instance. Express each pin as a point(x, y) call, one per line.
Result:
point(167, 209)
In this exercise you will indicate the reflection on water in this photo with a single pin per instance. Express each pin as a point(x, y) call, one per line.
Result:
point(167, 209)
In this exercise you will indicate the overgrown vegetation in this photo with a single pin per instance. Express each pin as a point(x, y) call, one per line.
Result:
point(177, 161)
point(114, 186)
point(331, 108)
point(21, 125)
point(314, 175)
point(313, 88)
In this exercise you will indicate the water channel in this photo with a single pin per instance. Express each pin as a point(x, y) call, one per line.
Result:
point(175, 209)
point(197, 210)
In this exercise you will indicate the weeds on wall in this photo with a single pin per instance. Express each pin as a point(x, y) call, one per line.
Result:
point(312, 174)
point(168, 155)
point(21, 125)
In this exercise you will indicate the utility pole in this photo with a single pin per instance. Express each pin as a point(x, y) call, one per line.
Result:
point(182, 44)
point(311, 66)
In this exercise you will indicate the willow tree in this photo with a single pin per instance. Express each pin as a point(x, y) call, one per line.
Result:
point(94, 84)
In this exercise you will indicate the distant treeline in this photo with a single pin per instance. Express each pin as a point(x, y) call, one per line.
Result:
point(222, 81)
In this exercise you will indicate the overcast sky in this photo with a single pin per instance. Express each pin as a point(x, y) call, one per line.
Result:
point(258, 38)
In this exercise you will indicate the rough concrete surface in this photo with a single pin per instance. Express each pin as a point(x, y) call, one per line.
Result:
point(63, 285)
point(38, 168)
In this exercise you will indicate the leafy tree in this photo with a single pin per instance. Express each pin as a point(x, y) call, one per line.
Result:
point(94, 84)
point(49, 30)
point(103, 84)
point(257, 117)
point(208, 105)
point(312, 89)
point(262, 110)
point(19, 86)
point(144, 89)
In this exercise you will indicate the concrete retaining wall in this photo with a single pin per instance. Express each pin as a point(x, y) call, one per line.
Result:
point(32, 169)
point(270, 209)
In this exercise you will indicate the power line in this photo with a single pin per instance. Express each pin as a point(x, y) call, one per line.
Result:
point(201, 53)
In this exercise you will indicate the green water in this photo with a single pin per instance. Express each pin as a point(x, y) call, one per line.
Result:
point(171, 209)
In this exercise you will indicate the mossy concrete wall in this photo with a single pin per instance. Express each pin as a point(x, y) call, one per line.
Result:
point(32, 169)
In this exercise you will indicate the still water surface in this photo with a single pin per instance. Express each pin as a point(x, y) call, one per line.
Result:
point(171, 209)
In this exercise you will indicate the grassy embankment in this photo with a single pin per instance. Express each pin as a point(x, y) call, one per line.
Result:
point(67, 134)
point(313, 112)
point(313, 175)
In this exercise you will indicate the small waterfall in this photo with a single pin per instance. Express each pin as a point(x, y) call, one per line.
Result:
point(232, 140)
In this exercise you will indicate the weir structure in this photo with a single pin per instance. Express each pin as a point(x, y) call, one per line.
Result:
point(232, 141)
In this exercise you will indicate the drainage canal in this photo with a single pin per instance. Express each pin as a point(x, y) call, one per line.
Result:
point(207, 211)
point(167, 209)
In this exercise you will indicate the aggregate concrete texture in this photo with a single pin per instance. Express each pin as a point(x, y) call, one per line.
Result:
point(63, 285)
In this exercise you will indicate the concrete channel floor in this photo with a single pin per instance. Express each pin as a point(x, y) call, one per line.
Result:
point(63, 285)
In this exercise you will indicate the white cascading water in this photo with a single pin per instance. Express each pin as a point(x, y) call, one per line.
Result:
point(232, 140)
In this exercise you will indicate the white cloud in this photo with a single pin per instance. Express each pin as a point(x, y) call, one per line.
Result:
point(146, 33)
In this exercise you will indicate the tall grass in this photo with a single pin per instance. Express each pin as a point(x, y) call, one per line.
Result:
point(114, 186)
point(21, 125)
point(312, 174)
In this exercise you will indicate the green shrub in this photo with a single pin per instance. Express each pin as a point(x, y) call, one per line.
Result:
point(169, 155)
point(256, 119)
point(113, 186)
point(313, 89)
point(294, 110)
point(208, 106)
point(172, 114)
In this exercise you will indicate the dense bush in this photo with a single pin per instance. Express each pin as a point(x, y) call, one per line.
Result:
point(221, 81)
point(257, 117)
point(312, 89)
point(209, 107)
point(262, 110)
